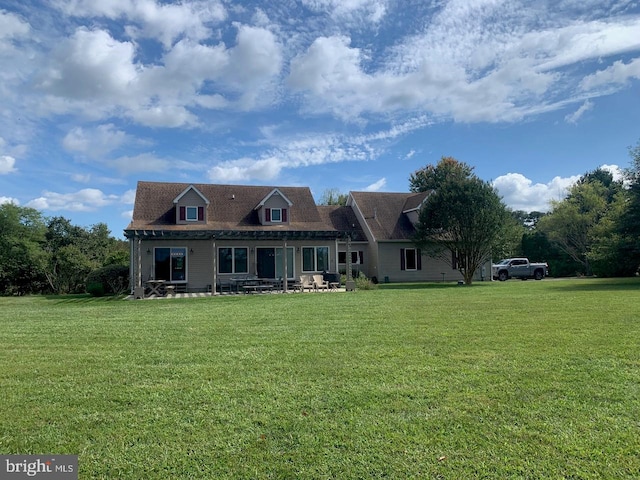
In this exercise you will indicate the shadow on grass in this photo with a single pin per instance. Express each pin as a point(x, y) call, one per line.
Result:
point(82, 298)
point(598, 284)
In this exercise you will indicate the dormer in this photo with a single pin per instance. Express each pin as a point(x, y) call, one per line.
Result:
point(414, 204)
point(191, 207)
point(274, 209)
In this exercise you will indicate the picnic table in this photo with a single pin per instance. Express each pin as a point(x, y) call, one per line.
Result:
point(259, 287)
point(156, 287)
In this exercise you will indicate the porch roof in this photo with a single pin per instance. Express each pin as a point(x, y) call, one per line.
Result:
point(235, 234)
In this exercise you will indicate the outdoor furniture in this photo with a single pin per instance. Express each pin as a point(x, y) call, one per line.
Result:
point(333, 286)
point(319, 283)
point(156, 287)
point(306, 282)
point(263, 287)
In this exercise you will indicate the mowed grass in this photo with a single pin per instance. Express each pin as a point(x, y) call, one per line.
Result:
point(498, 380)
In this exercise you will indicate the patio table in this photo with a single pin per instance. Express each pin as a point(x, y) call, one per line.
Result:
point(155, 287)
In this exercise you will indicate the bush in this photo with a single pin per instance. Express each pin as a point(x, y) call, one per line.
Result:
point(109, 280)
point(364, 283)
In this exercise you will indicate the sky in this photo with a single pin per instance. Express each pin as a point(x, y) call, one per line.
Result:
point(351, 95)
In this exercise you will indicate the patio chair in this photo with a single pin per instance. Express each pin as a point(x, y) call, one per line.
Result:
point(306, 282)
point(320, 283)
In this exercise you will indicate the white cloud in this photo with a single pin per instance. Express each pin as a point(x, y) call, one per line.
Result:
point(245, 169)
point(15, 201)
point(350, 10)
point(11, 27)
point(91, 65)
point(128, 197)
point(7, 164)
point(376, 186)
point(161, 21)
point(94, 142)
point(520, 193)
point(84, 200)
point(616, 74)
point(577, 115)
point(475, 61)
point(615, 171)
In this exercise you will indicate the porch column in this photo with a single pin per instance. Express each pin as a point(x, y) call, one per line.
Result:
point(214, 266)
point(285, 254)
point(139, 268)
point(350, 285)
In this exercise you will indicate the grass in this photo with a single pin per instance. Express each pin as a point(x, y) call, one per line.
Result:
point(498, 380)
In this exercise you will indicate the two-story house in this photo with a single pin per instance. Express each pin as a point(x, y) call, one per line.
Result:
point(195, 236)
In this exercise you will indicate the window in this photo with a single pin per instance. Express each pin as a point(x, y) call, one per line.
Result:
point(357, 258)
point(275, 215)
point(410, 259)
point(233, 260)
point(315, 259)
point(191, 214)
point(170, 264)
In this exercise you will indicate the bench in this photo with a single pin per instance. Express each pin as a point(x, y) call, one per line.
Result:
point(257, 288)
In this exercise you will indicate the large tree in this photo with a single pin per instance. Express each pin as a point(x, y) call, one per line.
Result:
point(629, 225)
point(22, 260)
point(464, 220)
point(574, 224)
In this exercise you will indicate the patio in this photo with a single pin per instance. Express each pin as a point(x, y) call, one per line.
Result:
point(222, 294)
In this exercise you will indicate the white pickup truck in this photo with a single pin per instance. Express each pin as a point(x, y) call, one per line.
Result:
point(518, 268)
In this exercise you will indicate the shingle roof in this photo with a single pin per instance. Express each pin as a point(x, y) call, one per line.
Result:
point(342, 219)
point(231, 207)
point(383, 213)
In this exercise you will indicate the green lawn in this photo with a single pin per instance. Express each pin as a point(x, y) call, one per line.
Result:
point(499, 380)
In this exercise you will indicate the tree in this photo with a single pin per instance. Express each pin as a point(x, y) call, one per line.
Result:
point(572, 223)
point(332, 196)
point(629, 224)
point(464, 220)
point(22, 259)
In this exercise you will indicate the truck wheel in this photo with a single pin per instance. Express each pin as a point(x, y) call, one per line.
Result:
point(538, 275)
point(502, 276)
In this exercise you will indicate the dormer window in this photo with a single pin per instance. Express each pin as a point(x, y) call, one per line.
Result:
point(276, 214)
point(192, 214)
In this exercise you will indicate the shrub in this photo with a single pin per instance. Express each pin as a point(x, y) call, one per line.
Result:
point(109, 280)
point(364, 283)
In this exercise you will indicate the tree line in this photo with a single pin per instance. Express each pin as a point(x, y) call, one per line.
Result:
point(39, 254)
point(594, 230)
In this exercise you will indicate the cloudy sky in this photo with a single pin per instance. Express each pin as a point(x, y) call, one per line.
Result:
point(346, 94)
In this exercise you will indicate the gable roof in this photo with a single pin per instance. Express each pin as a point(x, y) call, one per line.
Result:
point(187, 190)
point(275, 191)
point(230, 208)
point(384, 213)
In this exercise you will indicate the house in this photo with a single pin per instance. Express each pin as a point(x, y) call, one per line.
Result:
point(199, 236)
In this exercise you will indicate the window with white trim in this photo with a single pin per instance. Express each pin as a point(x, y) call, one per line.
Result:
point(233, 260)
point(192, 214)
point(276, 215)
point(410, 259)
point(315, 259)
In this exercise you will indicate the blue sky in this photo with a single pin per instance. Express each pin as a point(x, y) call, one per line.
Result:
point(345, 94)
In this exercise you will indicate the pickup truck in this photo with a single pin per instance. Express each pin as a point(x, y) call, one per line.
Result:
point(518, 268)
